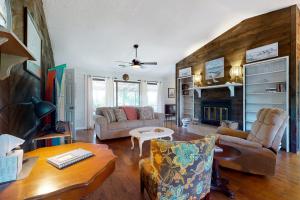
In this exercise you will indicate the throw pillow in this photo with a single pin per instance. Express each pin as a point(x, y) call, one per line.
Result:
point(120, 115)
point(109, 114)
point(130, 112)
point(146, 113)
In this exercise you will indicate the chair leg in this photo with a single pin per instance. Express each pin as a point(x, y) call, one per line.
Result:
point(142, 183)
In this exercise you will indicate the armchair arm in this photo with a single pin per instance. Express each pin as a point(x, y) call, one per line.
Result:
point(231, 132)
point(160, 116)
point(101, 121)
point(229, 140)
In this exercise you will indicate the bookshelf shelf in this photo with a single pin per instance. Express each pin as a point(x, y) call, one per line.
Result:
point(266, 86)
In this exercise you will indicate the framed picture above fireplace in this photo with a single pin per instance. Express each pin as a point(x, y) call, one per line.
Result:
point(214, 69)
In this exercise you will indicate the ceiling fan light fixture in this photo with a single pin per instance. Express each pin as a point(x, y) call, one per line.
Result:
point(136, 66)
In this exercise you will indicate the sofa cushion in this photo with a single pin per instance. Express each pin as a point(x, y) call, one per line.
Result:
point(117, 126)
point(120, 115)
point(146, 113)
point(109, 114)
point(99, 111)
point(131, 124)
point(131, 112)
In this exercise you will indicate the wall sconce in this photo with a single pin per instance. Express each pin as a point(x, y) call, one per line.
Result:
point(197, 80)
point(236, 72)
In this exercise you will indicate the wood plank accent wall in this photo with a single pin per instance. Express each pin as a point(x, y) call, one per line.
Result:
point(277, 26)
point(20, 86)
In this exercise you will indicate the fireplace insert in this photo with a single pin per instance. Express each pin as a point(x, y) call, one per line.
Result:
point(215, 111)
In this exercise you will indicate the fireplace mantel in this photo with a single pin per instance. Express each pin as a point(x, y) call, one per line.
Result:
point(230, 86)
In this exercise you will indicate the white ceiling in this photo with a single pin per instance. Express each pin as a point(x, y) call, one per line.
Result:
point(92, 34)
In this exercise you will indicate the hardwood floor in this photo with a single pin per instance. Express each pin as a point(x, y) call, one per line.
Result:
point(124, 182)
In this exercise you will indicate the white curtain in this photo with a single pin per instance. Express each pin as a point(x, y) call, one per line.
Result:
point(144, 93)
point(160, 97)
point(89, 101)
point(109, 92)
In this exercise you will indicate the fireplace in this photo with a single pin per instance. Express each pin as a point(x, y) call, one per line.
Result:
point(214, 111)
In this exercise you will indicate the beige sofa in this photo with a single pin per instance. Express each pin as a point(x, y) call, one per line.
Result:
point(105, 130)
point(259, 147)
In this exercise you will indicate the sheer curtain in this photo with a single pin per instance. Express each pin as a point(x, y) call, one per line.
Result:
point(89, 101)
point(144, 94)
point(109, 91)
point(160, 97)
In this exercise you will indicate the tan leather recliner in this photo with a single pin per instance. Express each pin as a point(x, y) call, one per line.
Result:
point(259, 147)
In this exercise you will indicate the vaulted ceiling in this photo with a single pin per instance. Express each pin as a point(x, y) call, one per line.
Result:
point(92, 34)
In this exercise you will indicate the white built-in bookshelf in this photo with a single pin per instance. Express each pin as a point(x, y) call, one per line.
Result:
point(186, 97)
point(266, 86)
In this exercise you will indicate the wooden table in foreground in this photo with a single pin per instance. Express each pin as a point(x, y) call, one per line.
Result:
point(218, 183)
point(73, 182)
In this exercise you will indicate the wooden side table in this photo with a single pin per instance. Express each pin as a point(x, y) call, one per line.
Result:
point(74, 182)
point(218, 183)
point(67, 134)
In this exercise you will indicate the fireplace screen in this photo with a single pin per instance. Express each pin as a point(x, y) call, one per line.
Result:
point(213, 112)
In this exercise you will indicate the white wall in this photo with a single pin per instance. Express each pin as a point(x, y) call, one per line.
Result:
point(80, 121)
point(80, 100)
point(169, 82)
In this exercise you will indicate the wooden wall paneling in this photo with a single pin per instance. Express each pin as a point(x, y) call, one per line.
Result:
point(254, 32)
point(294, 131)
point(20, 86)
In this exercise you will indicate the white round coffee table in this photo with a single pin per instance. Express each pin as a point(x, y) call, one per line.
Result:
point(149, 133)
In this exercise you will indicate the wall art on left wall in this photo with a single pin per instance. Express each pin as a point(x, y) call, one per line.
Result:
point(33, 42)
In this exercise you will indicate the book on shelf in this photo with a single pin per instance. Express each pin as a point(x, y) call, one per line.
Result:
point(71, 157)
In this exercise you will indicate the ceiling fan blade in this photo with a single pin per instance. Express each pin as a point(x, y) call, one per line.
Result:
point(123, 62)
point(123, 66)
point(148, 63)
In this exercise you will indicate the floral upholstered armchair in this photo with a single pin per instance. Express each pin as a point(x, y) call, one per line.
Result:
point(178, 170)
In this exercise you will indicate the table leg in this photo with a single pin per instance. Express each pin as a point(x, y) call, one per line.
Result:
point(218, 183)
point(132, 142)
point(141, 146)
point(171, 137)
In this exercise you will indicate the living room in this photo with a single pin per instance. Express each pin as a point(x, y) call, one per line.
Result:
point(149, 99)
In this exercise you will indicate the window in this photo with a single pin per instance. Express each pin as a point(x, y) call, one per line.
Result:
point(98, 93)
point(152, 92)
point(127, 93)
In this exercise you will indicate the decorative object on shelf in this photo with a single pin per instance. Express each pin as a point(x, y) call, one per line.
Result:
point(171, 92)
point(33, 42)
point(261, 53)
point(125, 77)
point(185, 89)
point(236, 72)
point(5, 14)
point(197, 80)
point(185, 72)
point(280, 87)
point(214, 69)
point(10, 158)
point(186, 122)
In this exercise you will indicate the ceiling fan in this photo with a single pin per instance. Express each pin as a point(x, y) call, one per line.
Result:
point(135, 63)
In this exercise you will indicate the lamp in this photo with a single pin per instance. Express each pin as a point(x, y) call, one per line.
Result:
point(41, 109)
point(236, 72)
point(197, 79)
